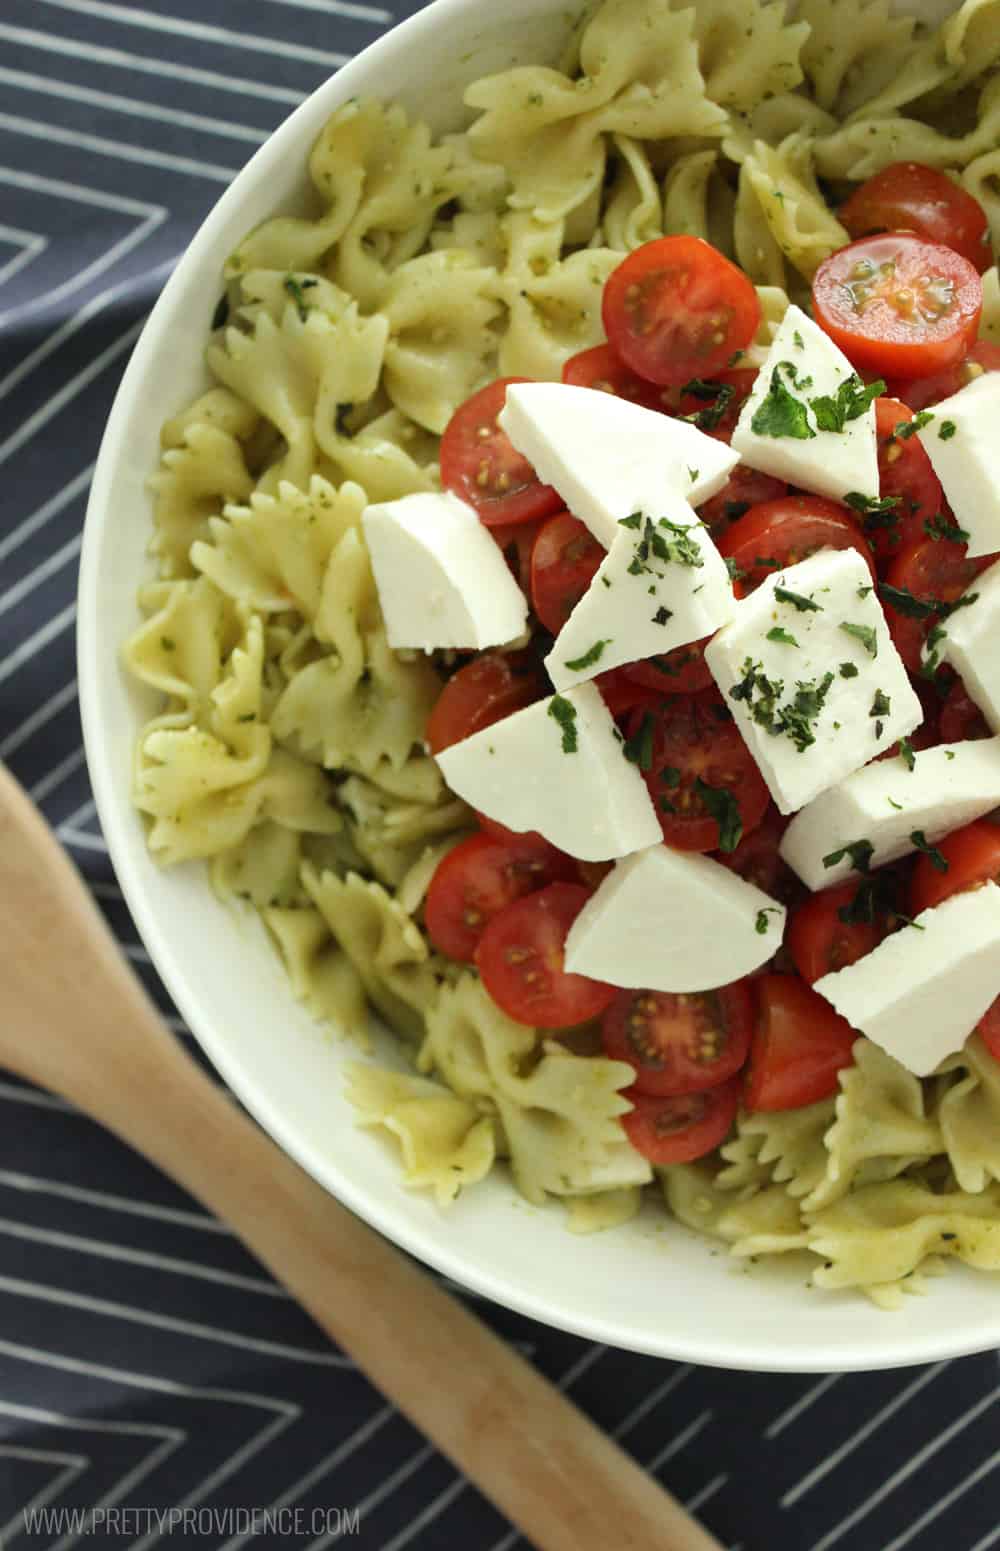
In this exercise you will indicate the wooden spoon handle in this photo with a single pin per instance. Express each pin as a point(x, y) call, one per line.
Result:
point(74, 1018)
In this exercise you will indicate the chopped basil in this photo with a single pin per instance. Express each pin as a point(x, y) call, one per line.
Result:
point(780, 413)
point(880, 707)
point(903, 601)
point(798, 341)
point(670, 777)
point(762, 915)
point(733, 509)
point(725, 810)
point(875, 512)
point(894, 804)
point(849, 670)
point(591, 655)
point(859, 851)
point(639, 747)
point(906, 753)
point(781, 636)
point(735, 574)
point(865, 592)
point(851, 400)
point(666, 541)
point(605, 581)
point(933, 855)
point(564, 712)
point(804, 605)
point(634, 521)
point(800, 715)
point(796, 718)
point(719, 396)
point(907, 428)
point(251, 716)
point(692, 475)
point(865, 634)
point(949, 753)
point(939, 527)
point(295, 289)
point(947, 430)
point(168, 643)
point(662, 615)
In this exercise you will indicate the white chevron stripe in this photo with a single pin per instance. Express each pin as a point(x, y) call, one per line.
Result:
point(167, 69)
point(55, 504)
point(385, 1489)
point(134, 107)
point(274, 48)
point(76, 841)
point(69, 390)
point(121, 1489)
point(785, 1418)
point(706, 1493)
point(29, 244)
point(989, 1539)
point(82, 815)
point(679, 1441)
point(81, 277)
point(427, 1515)
point(361, 13)
point(654, 1398)
point(38, 719)
point(32, 1184)
point(37, 642)
point(33, 1097)
point(117, 150)
point(73, 1466)
point(944, 1503)
point(55, 777)
point(48, 566)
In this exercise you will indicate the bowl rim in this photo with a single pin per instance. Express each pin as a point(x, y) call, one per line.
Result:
point(726, 1350)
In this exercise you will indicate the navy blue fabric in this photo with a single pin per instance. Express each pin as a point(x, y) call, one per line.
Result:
point(146, 1363)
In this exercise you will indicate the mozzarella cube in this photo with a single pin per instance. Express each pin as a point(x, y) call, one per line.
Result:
point(922, 991)
point(607, 457)
point(809, 671)
point(961, 441)
point(557, 767)
point(803, 364)
point(441, 580)
point(673, 921)
point(662, 584)
point(969, 644)
point(887, 803)
point(619, 1167)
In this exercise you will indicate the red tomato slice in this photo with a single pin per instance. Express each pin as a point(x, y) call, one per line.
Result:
point(520, 959)
point(779, 533)
point(564, 562)
point(680, 1044)
point(972, 855)
point(931, 572)
point(692, 756)
point(909, 197)
point(601, 368)
point(681, 1128)
point(477, 879)
point(921, 392)
point(487, 689)
point(515, 541)
point(905, 472)
point(480, 463)
point(961, 718)
point(675, 309)
point(683, 671)
point(758, 860)
point(898, 306)
point(820, 942)
point(799, 1045)
point(988, 1029)
point(714, 404)
point(745, 487)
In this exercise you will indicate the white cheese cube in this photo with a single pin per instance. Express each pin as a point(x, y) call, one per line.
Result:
point(805, 363)
point(442, 581)
point(962, 443)
point(619, 1167)
point(922, 991)
point(674, 921)
point(813, 711)
point(607, 457)
point(969, 644)
point(662, 584)
point(557, 767)
point(886, 803)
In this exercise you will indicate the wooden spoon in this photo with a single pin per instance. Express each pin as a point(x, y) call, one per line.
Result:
point(74, 1019)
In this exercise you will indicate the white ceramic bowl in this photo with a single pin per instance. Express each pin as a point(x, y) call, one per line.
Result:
point(651, 1286)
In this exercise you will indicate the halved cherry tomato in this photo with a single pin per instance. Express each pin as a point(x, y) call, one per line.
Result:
point(622, 694)
point(988, 1029)
point(972, 855)
point(898, 306)
point(515, 541)
point(680, 1044)
point(480, 463)
point(716, 402)
point(602, 369)
point(487, 689)
point(745, 487)
point(798, 1047)
point(820, 942)
point(478, 878)
point(910, 197)
point(675, 309)
point(564, 562)
point(921, 392)
point(683, 1127)
point(683, 671)
point(520, 959)
point(758, 860)
point(778, 533)
point(961, 718)
point(684, 747)
point(905, 472)
point(931, 572)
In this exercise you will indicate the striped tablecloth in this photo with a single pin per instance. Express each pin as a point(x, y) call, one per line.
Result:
point(145, 1362)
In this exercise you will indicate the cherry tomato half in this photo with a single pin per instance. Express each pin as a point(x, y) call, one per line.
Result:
point(910, 197)
point(564, 562)
point(930, 572)
point(694, 759)
point(898, 306)
point(602, 369)
point(680, 1044)
point(480, 463)
point(988, 1029)
point(961, 719)
point(621, 694)
point(516, 540)
point(477, 879)
point(972, 855)
point(922, 392)
point(905, 472)
point(820, 942)
point(745, 487)
point(520, 959)
point(487, 689)
point(798, 1047)
point(676, 309)
point(683, 671)
point(681, 1128)
point(779, 533)
point(758, 860)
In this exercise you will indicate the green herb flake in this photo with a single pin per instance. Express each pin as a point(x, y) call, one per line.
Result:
point(851, 400)
point(938, 527)
point(633, 521)
point(933, 855)
point(760, 924)
point(638, 749)
point(865, 592)
point(591, 655)
point(879, 708)
point(693, 474)
point(946, 430)
point(904, 602)
point(804, 605)
point(662, 615)
point(735, 574)
point(250, 716)
point(670, 777)
point(798, 341)
point(863, 633)
point(799, 717)
point(849, 670)
point(779, 412)
point(860, 853)
point(782, 637)
point(949, 753)
point(725, 810)
point(874, 511)
point(719, 396)
point(894, 804)
point(564, 712)
point(167, 643)
point(907, 428)
point(296, 290)
point(906, 753)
